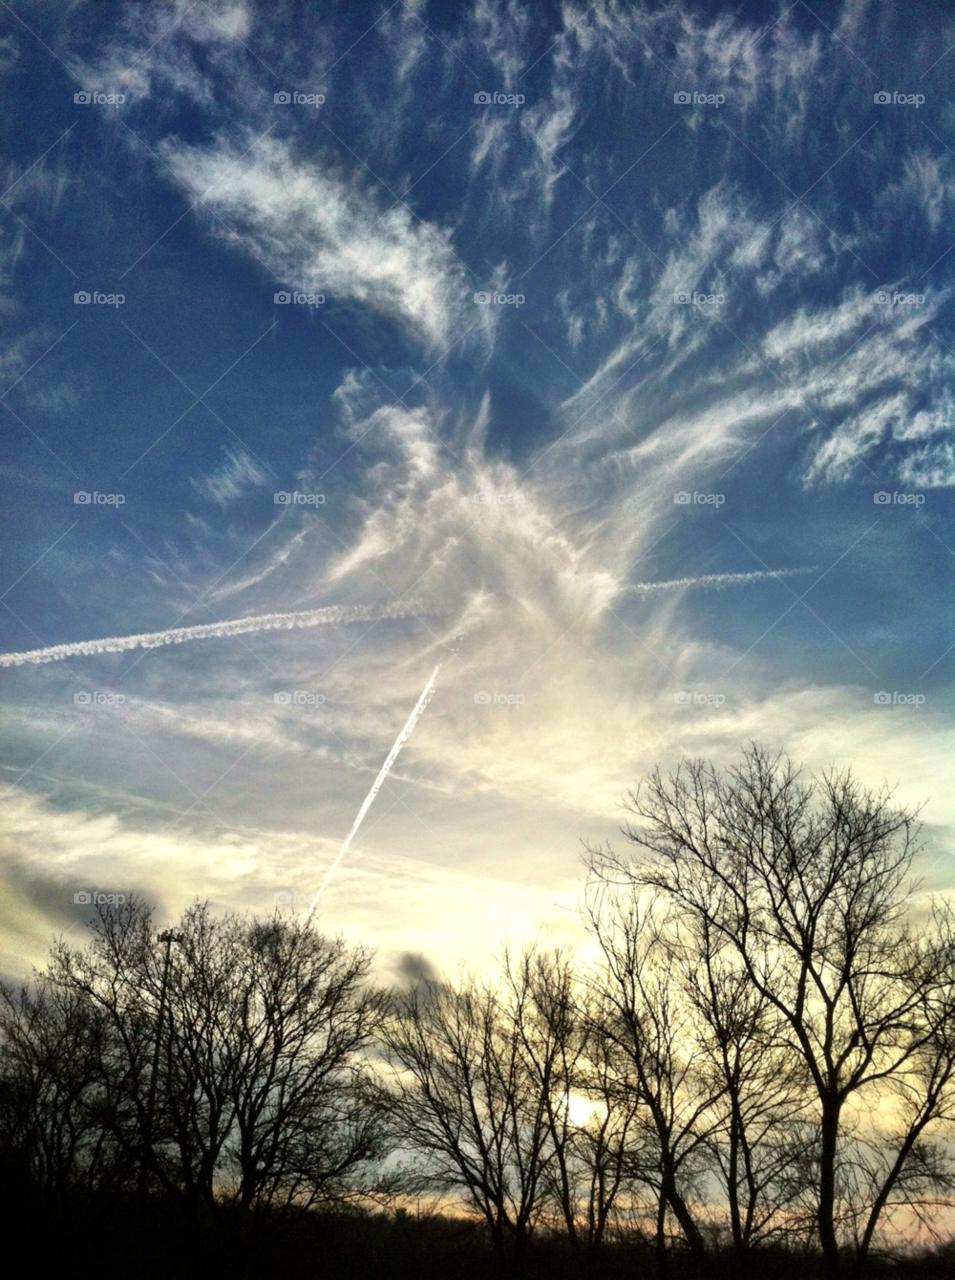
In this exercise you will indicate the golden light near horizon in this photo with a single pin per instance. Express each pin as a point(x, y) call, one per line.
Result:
point(580, 1109)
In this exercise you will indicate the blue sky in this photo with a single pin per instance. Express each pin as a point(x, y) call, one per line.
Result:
point(718, 328)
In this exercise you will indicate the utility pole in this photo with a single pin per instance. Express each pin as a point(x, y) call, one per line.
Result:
point(169, 936)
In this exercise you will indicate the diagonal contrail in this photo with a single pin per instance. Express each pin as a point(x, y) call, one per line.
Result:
point(717, 580)
point(376, 786)
point(215, 631)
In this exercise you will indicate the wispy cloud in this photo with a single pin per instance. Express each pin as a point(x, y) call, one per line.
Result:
point(524, 488)
point(716, 581)
point(238, 473)
point(321, 229)
point(213, 631)
point(170, 46)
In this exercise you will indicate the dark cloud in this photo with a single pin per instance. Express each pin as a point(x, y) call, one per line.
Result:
point(64, 899)
point(413, 967)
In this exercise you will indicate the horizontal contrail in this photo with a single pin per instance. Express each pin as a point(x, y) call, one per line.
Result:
point(376, 786)
point(717, 580)
point(215, 631)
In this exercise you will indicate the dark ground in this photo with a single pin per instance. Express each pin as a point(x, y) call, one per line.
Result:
point(107, 1238)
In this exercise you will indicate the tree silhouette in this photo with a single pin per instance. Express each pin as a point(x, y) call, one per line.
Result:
point(759, 1055)
point(806, 882)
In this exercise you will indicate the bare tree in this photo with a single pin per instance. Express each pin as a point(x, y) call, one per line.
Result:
point(263, 1096)
point(647, 1017)
point(57, 1115)
point(467, 1106)
point(761, 1142)
point(307, 1113)
point(541, 1007)
point(805, 882)
point(903, 1165)
point(764, 1049)
point(611, 1140)
point(569, 1061)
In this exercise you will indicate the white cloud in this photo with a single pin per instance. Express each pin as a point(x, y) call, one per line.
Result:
point(926, 182)
point(535, 593)
point(395, 901)
point(319, 230)
point(154, 51)
point(504, 33)
point(550, 124)
point(237, 474)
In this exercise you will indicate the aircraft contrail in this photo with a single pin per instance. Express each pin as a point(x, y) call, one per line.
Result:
point(717, 580)
point(215, 631)
point(376, 786)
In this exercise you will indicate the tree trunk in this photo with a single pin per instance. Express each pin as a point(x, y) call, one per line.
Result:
point(661, 1240)
point(825, 1214)
point(732, 1185)
point(500, 1247)
point(683, 1216)
point(882, 1198)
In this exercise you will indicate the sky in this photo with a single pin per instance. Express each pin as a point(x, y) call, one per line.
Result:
point(599, 357)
